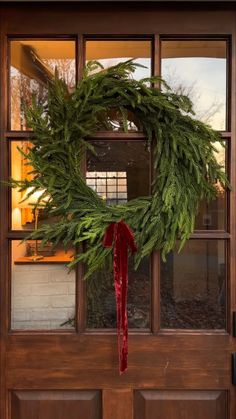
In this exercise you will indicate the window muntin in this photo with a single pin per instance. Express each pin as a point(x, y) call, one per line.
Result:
point(110, 186)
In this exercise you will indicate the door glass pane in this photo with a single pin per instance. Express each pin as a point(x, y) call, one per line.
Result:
point(119, 172)
point(198, 69)
point(33, 64)
point(43, 291)
point(193, 286)
point(212, 215)
point(101, 304)
point(112, 52)
point(23, 214)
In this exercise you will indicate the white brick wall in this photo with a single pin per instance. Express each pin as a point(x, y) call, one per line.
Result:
point(43, 296)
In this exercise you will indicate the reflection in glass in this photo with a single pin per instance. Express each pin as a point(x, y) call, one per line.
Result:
point(112, 52)
point(33, 64)
point(43, 292)
point(101, 305)
point(193, 286)
point(23, 214)
point(119, 172)
point(212, 216)
point(197, 68)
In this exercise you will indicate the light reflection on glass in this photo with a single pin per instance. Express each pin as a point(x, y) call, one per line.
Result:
point(198, 69)
point(23, 218)
point(212, 215)
point(33, 65)
point(193, 286)
point(101, 305)
point(113, 52)
point(119, 171)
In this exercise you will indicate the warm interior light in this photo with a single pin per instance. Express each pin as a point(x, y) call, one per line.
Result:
point(33, 200)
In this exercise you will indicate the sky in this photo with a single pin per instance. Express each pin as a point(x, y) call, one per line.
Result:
point(206, 80)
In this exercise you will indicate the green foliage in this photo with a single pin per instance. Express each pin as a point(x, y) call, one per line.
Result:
point(186, 170)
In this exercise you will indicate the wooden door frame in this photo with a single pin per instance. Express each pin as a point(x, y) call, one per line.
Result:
point(8, 340)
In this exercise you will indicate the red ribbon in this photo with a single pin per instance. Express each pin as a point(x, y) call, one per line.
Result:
point(122, 237)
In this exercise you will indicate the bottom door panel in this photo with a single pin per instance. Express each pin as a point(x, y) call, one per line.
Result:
point(56, 405)
point(180, 404)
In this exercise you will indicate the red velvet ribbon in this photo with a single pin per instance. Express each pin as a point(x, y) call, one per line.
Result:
point(121, 238)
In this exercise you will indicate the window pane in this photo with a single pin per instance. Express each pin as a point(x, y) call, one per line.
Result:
point(198, 68)
point(193, 286)
point(112, 52)
point(124, 163)
point(43, 292)
point(33, 64)
point(101, 305)
point(23, 214)
point(128, 162)
point(212, 216)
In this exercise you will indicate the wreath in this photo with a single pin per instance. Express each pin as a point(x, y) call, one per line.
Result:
point(185, 168)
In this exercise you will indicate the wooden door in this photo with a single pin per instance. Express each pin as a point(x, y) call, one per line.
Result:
point(59, 347)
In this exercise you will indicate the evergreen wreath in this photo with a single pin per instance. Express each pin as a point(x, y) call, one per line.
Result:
point(185, 168)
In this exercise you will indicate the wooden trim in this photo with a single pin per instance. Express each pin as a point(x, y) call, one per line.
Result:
point(51, 260)
point(3, 218)
point(226, 135)
point(106, 135)
point(117, 403)
point(223, 2)
point(80, 57)
point(231, 266)
point(210, 235)
point(81, 300)
point(110, 135)
point(155, 296)
point(228, 83)
point(21, 135)
point(197, 235)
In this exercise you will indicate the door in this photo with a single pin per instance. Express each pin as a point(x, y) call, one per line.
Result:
point(58, 334)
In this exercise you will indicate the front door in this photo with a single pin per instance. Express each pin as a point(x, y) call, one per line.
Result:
point(58, 334)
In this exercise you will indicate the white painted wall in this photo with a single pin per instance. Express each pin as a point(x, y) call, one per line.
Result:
point(43, 296)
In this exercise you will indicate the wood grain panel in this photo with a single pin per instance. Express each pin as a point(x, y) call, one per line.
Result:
point(180, 405)
point(117, 19)
point(118, 404)
point(56, 404)
point(154, 362)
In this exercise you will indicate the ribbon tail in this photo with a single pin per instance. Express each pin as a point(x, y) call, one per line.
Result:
point(123, 239)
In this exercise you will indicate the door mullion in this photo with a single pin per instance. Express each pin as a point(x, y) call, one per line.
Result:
point(80, 56)
point(155, 290)
point(155, 259)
